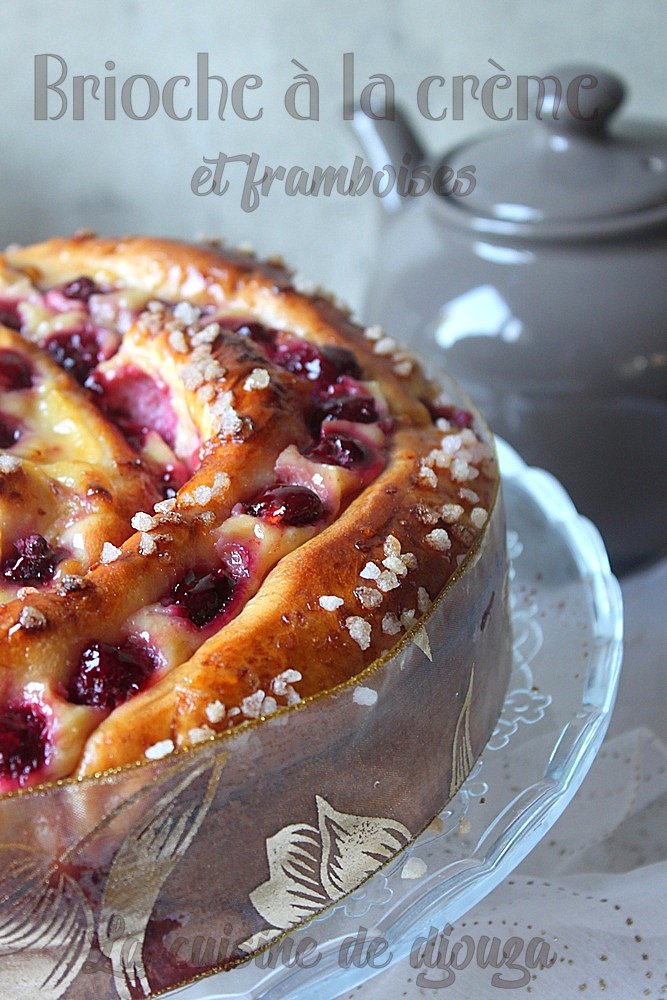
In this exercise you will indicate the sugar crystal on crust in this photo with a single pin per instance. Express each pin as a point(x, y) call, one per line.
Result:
point(204, 517)
point(206, 393)
point(360, 630)
point(439, 539)
point(329, 602)
point(251, 706)
point(293, 697)
point(178, 342)
point(291, 675)
point(202, 495)
point(192, 376)
point(171, 517)
point(215, 711)
point(451, 512)
point(396, 564)
point(423, 600)
point(164, 506)
point(147, 544)
point(280, 685)
point(269, 705)
point(109, 553)
point(199, 734)
point(408, 618)
point(304, 285)
point(229, 422)
point(438, 458)
point(207, 335)
point(461, 470)
point(427, 477)
point(403, 366)
point(159, 750)
point(368, 597)
point(386, 345)
point(258, 378)
point(67, 583)
point(221, 482)
point(374, 332)
point(213, 371)
point(186, 313)
point(32, 619)
point(425, 514)
point(451, 444)
point(392, 546)
point(387, 580)
point(478, 516)
point(391, 624)
point(142, 521)
point(9, 463)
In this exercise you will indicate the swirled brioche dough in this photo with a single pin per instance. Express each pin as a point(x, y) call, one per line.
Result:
point(218, 496)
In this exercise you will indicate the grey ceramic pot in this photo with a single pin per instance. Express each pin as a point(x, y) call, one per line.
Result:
point(544, 291)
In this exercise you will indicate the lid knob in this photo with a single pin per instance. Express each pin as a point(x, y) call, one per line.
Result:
point(567, 175)
point(589, 95)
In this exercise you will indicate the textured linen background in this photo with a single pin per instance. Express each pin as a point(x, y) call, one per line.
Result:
point(127, 176)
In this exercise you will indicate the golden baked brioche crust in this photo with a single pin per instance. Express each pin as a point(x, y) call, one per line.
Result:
point(311, 602)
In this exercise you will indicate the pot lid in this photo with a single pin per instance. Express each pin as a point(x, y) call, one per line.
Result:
point(566, 175)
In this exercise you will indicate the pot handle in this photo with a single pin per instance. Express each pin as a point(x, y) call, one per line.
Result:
point(598, 94)
point(387, 143)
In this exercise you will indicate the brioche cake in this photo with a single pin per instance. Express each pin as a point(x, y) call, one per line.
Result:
point(218, 497)
point(253, 618)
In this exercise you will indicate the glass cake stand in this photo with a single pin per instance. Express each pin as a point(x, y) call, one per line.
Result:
point(567, 626)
